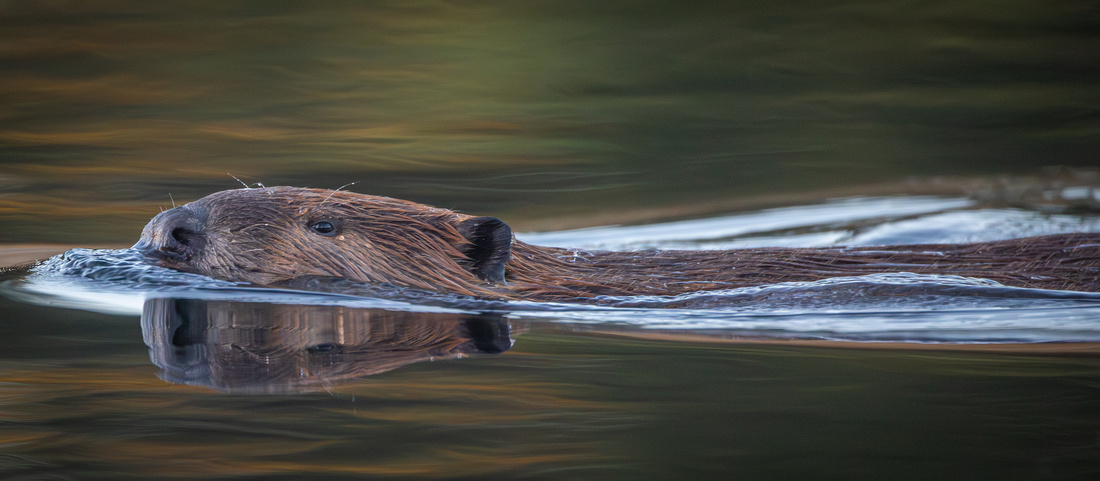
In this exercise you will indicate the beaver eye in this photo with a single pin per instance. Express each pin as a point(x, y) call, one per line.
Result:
point(323, 227)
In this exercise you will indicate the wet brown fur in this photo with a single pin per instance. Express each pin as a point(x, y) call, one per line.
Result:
point(262, 236)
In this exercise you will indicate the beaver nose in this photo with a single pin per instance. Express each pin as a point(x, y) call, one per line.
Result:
point(185, 236)
point(175, 234)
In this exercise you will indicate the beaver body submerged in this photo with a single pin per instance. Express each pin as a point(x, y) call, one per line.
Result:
point(274, 235)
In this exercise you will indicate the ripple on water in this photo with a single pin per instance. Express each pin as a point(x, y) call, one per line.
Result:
point(896, 306)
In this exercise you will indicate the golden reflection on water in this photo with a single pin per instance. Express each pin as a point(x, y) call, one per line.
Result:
point(40, 205)
point(144, 427)
point(680, 103)
point(141, 427)
point(560, 400)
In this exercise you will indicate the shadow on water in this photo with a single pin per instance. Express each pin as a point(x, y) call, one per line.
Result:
point(245, 347)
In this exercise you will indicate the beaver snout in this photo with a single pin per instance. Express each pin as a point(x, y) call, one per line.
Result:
point(175, 235)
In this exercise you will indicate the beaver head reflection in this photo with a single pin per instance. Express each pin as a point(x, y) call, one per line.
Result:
point(278, 348)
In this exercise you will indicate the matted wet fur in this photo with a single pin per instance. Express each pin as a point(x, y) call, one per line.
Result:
point(272, 235)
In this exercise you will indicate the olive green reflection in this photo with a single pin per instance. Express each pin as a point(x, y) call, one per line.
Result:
point(246, 347)
point(526, 109)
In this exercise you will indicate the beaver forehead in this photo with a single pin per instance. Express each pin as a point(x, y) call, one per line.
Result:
point(296, 202)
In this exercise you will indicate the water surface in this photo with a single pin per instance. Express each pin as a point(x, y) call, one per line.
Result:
point(627, 125)
point(80, 395)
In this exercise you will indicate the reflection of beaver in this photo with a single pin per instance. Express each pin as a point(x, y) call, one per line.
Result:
point(257, 347)
point(271, 235)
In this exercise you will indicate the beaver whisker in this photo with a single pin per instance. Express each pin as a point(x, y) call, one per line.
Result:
point(337, 190)
point(238, 180)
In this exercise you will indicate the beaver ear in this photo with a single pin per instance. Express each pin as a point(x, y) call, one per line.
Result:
point(490, 247)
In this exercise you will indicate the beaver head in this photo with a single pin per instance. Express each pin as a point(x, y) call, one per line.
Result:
point(269, 235)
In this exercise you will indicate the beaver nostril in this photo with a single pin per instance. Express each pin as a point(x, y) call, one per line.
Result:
point(184, 236)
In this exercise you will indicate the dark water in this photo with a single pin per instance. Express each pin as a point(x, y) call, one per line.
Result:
point(81, 399)
point(733, 120)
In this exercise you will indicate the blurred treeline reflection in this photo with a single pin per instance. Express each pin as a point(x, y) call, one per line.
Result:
point(533, 108)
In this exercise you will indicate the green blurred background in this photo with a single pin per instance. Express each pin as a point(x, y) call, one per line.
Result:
point(530, 110)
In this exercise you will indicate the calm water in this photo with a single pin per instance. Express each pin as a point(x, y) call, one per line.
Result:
point(625, 125)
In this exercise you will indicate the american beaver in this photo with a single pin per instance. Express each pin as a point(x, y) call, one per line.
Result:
point(272, 235)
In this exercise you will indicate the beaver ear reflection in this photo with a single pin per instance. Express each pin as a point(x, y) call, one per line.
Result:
point(490, 247)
